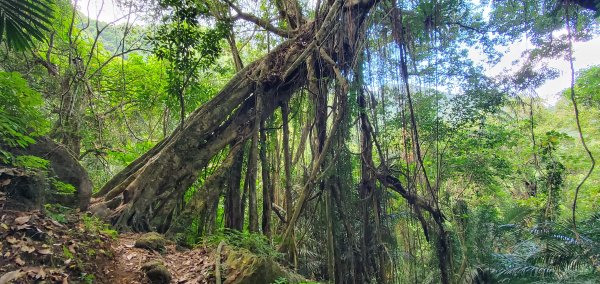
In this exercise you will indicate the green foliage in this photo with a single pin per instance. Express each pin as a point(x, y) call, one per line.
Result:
point(501, 185)
point(23, 21)
point(255, 243)
point(283, 280)
point(63, 187)
point(587, 87)
point(88, 278)
point(555, 253)
point(30, 162)
point(20, 117)
point(280, 280)
point(186, 45)
point(58, 212)
point(67, 253)
point(130, 153)
point(538, 19)
point(94, 225)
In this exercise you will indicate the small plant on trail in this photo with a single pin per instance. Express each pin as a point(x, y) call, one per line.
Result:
point(280, 280)
point(57, 212)
point(96, 226)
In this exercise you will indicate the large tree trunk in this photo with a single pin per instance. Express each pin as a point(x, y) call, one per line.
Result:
point(145, 193)
point(164, 173)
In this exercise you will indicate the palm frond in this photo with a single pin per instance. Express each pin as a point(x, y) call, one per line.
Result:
point(24, 21)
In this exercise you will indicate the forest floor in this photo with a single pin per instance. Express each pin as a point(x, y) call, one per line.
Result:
point(36, 247)
point(57, 245)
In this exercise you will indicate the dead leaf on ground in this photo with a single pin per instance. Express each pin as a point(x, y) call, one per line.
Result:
point(22, 220)
point(56, 223)
point(24, 226)
point(72, 248)
point(36, 272)
point(11, 240)
point(19, 261)
point(45, 251)
point(27, 249)
point(16, 274)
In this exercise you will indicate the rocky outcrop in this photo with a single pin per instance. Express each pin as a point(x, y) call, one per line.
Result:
point(156, 272)
point(151, 241)
point(244, 267)
point(64, 167)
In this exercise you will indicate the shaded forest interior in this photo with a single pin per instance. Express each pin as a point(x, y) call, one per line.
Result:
point(353, 141)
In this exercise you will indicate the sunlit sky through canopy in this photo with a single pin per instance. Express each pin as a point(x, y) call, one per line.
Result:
point(586, 54)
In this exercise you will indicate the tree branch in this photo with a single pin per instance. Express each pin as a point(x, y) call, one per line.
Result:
point(258, 21)
point(394, 184)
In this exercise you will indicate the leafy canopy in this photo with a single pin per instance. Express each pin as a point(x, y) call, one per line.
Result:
point(23, 21)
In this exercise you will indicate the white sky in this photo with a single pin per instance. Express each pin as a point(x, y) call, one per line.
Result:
point(109, 13)
point(586, 54)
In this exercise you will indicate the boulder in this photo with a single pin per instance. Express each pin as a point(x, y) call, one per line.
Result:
point(65, 166)
point(151, 241)
point(244, 267)
point(23, 190)
point(156, 272)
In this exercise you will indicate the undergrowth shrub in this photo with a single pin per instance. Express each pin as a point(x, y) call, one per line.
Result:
point(255, 243)
point(21, 118)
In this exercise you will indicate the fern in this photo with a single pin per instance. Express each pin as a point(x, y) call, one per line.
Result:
point(555, 253)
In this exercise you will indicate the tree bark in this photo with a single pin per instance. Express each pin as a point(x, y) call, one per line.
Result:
point(233, 202)
point(266, 182)
point(287, 160)
point(366, 190)
point(252, 170)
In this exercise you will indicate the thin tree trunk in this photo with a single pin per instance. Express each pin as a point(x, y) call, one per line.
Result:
point(285, 111)
point(266, 182)
point(331, 257)
point(351, 247)
point(252, 170)
point(233, 202)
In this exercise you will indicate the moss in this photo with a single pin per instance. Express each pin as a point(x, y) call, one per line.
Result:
point(156, 272)
point(247, 268)
point(151, 241)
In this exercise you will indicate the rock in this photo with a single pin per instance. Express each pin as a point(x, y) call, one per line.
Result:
point(151, 241)
point(24, 190)
point(156, 272)
point(246, 268)
point(65, 166)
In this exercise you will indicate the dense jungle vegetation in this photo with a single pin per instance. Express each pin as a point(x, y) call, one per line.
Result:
point(354, 141)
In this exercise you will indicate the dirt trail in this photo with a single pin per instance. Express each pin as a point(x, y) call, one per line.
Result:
point(75, 248)
point(185, 266)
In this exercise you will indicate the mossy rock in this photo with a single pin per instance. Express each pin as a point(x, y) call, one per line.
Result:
point(64, 167)
point(245, 267)
point(25, 189)
point(151, 241)
point(156, 272)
